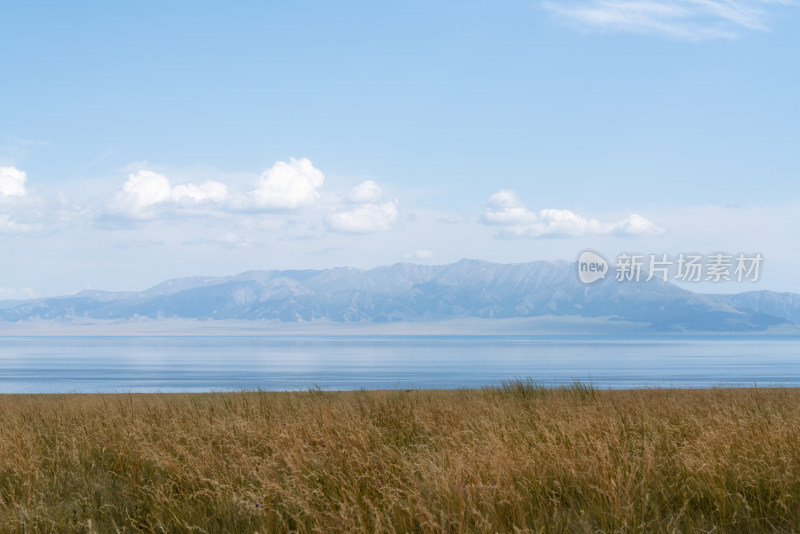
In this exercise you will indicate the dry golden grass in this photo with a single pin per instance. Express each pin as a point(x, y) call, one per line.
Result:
point(513, 459)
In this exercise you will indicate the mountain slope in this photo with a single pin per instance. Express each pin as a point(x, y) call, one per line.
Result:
point(410, 292)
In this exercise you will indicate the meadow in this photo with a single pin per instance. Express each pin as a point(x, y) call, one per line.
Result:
point(516, 458)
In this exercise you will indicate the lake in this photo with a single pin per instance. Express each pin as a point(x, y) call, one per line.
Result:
point(227, 363)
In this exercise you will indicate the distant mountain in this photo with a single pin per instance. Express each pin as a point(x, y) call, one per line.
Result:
point(410, 292)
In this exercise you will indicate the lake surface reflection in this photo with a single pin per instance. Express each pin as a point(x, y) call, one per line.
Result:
point(184, 364)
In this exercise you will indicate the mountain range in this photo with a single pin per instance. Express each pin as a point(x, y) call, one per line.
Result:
point(422, 293)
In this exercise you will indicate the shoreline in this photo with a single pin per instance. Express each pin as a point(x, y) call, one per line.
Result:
point(257, 391)
point(541, 326)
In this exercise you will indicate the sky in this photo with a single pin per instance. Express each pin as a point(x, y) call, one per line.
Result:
point(144, 141)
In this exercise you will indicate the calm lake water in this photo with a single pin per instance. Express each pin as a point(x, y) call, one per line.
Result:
point(174, 364)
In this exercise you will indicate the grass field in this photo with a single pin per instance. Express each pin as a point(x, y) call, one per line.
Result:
point(516, 458)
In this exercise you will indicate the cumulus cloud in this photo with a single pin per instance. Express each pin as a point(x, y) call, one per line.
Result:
point(288, 185)
point(207, 191)
point(147, 189)
point(635, 224)
point(364, 219)
point(287, 195)
point(682, 19)
point(369, 215)
point(21, 212)
point(514, 220)
point(504, 208)
point(368, 191)
point(12, 182)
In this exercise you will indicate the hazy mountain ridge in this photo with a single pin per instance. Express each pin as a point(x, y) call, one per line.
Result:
point(411, 292)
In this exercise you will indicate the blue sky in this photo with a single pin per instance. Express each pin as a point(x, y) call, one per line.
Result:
point(144, 141)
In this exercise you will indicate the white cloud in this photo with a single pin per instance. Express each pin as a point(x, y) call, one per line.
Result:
point(364, 219)
point(21, 211)
point(207, 191)
point(144, 189)
point(369, 215)
point(682, 19)
point(287, 198)
point(635, 224)
point(368, 191)
point(288, 185)
point(504, 208)
point(12, 182)
point(514, 220)
point(147, 189)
